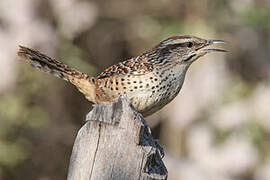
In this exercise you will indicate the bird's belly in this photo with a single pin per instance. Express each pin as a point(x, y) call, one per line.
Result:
point(148, 101)
point(147, 93)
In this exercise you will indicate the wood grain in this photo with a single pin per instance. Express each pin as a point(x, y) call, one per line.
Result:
point(115, 143)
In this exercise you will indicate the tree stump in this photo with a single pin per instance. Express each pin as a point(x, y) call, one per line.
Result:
point(115, 143)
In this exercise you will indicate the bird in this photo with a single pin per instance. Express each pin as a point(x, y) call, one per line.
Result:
point(150, 81)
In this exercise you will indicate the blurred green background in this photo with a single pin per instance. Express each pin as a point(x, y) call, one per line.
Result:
point(217, 128)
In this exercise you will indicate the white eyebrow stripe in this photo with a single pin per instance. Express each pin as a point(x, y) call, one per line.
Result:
point(177, 41)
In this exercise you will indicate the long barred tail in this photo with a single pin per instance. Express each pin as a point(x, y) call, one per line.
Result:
point(82, 81)
point(48, 65)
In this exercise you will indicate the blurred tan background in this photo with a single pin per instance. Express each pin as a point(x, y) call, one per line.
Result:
point(218, 127)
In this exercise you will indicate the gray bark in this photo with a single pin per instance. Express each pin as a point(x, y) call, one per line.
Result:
point(115, 143)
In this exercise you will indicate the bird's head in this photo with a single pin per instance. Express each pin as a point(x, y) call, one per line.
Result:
point(186, 49)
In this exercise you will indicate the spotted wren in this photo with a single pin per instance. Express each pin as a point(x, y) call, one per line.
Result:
point(150, 80)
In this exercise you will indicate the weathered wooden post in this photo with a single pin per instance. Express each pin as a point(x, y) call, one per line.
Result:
point(115, 143)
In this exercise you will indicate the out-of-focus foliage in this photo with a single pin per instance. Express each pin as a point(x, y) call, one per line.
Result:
point(217, 128)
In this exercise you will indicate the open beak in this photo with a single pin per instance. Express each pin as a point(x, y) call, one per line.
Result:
point(204, 50)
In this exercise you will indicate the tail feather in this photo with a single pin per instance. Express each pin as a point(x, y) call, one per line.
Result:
point(82, 81)
point(48, 65)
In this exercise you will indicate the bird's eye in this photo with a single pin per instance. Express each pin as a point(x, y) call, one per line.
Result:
point(190, 44)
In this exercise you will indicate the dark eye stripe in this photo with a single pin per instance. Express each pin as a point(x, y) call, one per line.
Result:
point(185, 44)
point(166, 49)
